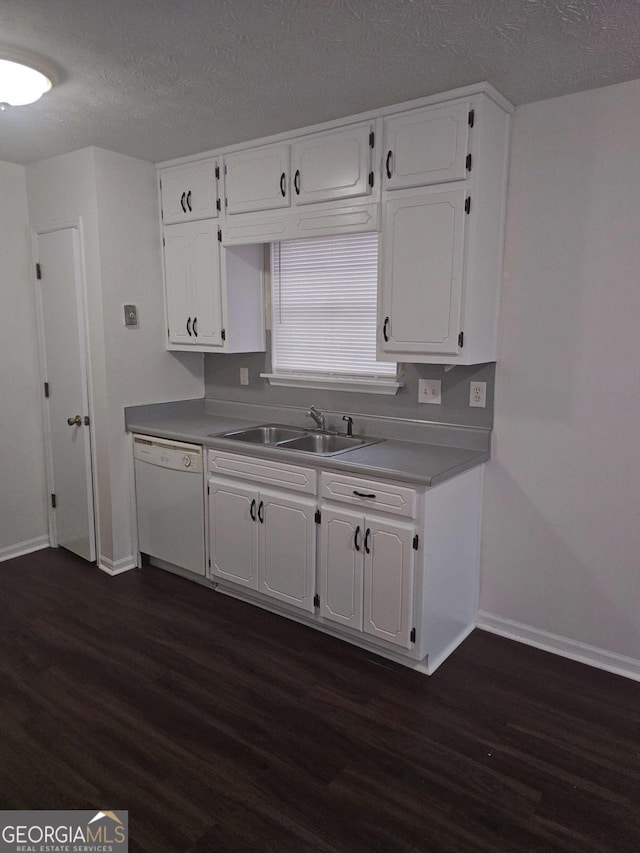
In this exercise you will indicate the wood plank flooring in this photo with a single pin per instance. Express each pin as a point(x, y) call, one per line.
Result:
point(225, 729)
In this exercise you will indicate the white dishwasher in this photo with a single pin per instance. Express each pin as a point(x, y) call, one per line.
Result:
point(170, 502)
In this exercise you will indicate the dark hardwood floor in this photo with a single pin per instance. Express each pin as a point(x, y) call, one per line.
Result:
point(225, 729)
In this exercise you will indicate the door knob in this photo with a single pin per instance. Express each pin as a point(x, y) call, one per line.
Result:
point(77, 421)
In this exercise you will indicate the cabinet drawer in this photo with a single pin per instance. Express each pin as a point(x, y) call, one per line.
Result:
point(292, 477)
point(368, 494)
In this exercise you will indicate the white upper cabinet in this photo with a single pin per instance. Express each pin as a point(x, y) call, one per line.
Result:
point(321, 167)
point(190, 192)
point(430, 176)
point(421, 264)
point(214, 295)
point(192, 272)
point(427, 146)
point(257, 179)
point(443, 201)
point(333, 165)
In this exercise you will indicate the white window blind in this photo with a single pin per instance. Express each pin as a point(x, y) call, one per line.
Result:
point(324, 307)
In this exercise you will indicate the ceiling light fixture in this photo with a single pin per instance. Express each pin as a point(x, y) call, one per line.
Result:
point(21, 84)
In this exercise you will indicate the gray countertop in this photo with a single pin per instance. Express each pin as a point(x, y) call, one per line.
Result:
point(411, 461)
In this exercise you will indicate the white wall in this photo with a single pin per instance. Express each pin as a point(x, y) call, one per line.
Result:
point(23, 509)
point(138, 367)
point(561, 539)
point(115, 198)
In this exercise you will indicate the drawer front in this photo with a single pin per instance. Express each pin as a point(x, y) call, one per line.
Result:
point(292, 477)
point(368, 494)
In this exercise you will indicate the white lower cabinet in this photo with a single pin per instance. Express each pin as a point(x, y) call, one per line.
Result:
point(366, 574)
point(397, 565)
point(263, 540)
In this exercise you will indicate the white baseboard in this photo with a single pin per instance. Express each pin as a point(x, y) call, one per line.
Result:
point(26, 547)
point(118, 567)
point(563, 646)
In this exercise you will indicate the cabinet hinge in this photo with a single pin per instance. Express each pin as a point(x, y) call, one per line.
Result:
point(415, 542)
point(316, 600)
point(468, 163)
point(209, 561)
point(53, 501)
point(218, 205)
point(223, 335)
point(38, 271)
point(164, 242)
point(318, 516)
point(370, 179)
point(208, 490)
point(372, 139)
point(412, 635)
point(467, 204)
point(46, 389)
point(472, 117)
point(219, 235)
point(461, 340)
point(218, 172)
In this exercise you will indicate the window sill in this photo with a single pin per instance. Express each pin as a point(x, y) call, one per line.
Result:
point(352, 384)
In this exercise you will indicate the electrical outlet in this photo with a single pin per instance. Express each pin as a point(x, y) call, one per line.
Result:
point(244, 375)
point(430, 391)
point(478, 394)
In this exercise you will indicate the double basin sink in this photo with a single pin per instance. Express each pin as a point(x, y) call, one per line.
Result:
point(320, 442)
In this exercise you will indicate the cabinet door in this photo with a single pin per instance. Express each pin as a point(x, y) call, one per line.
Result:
point(205, 283)
point(332, 165)
point(388, 581)
point(257, 179)
point(192, 277)
point(286, 550)
point(177, 262)
point(421, 268)
point(233, 533)
point(341, 567)
point(189, 192)
point(427, 146)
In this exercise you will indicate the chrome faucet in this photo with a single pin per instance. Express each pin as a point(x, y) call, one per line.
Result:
point(317, 416)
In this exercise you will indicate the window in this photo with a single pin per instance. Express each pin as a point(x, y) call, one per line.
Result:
point(323, 294)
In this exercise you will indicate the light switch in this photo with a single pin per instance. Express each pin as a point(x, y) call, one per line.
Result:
point(130, 315)
point(430, 391)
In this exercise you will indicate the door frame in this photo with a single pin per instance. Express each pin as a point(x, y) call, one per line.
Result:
point(75, 226)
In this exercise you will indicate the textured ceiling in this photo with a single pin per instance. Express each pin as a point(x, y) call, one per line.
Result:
point(159, 79)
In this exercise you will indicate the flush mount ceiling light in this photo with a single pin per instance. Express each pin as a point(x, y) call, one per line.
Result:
point(21, 84)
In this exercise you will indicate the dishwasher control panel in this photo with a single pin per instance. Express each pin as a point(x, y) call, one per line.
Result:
point(168, 454)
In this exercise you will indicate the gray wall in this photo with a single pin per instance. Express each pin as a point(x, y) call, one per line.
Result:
point(222, 382)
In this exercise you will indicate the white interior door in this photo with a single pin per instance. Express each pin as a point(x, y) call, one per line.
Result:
point(61, 300)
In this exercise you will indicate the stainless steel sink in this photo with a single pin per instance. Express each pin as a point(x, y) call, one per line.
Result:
point(267, 434)
point(295, 438)
point(326, 445)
